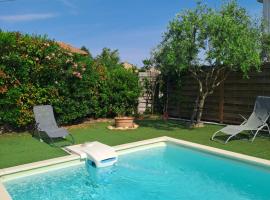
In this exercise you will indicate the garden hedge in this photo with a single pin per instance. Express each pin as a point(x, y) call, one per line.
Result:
point(34, 70)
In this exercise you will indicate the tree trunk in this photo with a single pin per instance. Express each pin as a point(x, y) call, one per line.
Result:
point(200, 108)
point(195, 110)
point(207, 82)
point(196, 106)
point(166, 102)
point(153, 94)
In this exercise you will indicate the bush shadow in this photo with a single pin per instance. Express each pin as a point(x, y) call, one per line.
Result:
point(167, 125)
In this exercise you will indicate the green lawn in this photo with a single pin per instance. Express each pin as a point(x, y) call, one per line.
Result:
point(16, 149)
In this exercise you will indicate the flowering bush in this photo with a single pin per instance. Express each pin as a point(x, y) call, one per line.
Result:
point(35, 70)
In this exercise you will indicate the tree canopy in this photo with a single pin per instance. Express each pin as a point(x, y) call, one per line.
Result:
point(109, 58)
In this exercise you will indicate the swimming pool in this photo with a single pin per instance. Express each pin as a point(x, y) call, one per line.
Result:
point(165, 172)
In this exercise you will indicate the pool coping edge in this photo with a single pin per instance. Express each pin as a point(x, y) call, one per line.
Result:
point(4, 195)
point(39, 164)
point(221, 152)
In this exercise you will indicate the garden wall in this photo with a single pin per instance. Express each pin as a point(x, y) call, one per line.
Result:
point(146, 98)
point(235, 96)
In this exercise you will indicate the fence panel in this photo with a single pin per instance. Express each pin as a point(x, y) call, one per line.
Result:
point(235, 96)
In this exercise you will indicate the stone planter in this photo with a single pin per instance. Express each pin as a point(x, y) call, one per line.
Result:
point(124, 122)
point(198, 125)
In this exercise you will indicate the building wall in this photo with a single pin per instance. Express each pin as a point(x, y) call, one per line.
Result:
point(266, 13)
point(146, 100)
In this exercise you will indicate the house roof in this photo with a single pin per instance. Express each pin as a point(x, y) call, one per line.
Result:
point(127, 65)
point(71, 49)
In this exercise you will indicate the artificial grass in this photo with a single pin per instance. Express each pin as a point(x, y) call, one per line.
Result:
point(17, 149)
point(20, 149)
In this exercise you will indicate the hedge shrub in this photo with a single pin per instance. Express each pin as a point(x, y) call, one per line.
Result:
point(34, 70)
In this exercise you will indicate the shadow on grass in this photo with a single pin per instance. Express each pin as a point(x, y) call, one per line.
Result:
point(245, 136)
point(53, 142)
point(222, 138)
point(168, 125)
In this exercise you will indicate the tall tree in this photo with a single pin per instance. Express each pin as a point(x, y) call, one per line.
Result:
point(84, 48)
point(109, 58)
point(209, 44)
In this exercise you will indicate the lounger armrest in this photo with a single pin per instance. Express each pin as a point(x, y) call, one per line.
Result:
point(245, 119)
point(242, 117)
point(37, 127)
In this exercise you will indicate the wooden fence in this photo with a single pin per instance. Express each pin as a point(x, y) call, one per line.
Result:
point(235, 96)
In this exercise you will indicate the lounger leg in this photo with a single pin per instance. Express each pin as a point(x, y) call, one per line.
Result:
point(214, 135)
point(40, 139)
point(72, 138)
point(52, 143)
point(225, 141)
point(256, 133)
point(229, 139)
point(268, 128)
point(38, 132)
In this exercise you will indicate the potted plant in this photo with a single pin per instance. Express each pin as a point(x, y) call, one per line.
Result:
point(123, 118)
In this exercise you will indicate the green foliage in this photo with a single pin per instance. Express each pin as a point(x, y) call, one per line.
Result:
point(126, 90)
point(109, 58)
point(35, 70)
point(84, 48)
point(147, 64)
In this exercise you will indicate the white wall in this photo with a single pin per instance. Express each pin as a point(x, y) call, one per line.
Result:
point(266, 13)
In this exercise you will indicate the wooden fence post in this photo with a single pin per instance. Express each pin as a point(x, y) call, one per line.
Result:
point(221, 102)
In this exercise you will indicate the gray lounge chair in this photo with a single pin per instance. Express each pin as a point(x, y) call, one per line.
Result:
point(45, 122)
point(255, 123)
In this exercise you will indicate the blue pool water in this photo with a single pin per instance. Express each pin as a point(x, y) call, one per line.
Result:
point(159, 173)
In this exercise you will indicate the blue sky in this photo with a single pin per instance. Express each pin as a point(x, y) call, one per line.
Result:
point(132, 26)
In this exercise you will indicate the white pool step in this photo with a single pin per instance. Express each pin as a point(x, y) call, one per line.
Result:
point(100, 154)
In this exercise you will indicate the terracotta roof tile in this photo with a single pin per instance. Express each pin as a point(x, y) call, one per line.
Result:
point(71, 48)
